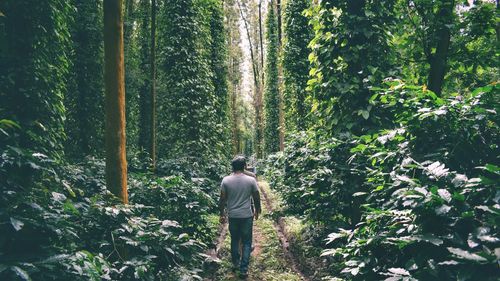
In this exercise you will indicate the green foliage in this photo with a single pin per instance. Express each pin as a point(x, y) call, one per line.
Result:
point(404, 203)
point(271, 93)
point(218, 56)
point(134, 75)
point(297, 34)
point(71, 227)
point(188, 121)
point(84, 99)
point(350, 52)
point(471, 57)
point(34, 63)
point(144, 49)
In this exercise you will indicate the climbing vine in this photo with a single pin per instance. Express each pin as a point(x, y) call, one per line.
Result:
point(271, 93)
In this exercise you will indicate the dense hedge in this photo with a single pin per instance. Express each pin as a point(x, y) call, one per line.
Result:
point(416, 201)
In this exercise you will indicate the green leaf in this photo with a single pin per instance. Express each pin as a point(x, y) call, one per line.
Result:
point(16, 224)
point(462, 254)
point(21, 273)
point(399, 271)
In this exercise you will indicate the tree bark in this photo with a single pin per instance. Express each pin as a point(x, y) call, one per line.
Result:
point(114, 79)
point(152, 150)
point(438, 60)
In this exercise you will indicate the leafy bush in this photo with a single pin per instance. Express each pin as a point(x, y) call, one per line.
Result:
point(70, 227)
point(417, 200)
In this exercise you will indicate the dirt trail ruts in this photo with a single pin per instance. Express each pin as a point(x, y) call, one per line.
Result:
point(280, 230)
point(214, 253)
point(271, 259)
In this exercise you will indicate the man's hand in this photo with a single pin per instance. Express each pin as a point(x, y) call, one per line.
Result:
point(256, 215)
point(222, 219)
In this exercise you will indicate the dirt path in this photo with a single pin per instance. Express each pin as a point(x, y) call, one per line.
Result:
point(270, 261)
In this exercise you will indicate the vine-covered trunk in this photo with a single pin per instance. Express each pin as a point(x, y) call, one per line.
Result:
point(152, 148)
point(114, 79)
point(145, 90)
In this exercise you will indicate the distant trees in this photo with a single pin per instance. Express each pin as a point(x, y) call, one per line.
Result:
point(84, 100)
point(234, 61)
point(145, 48)
point(114, 80)
point(147, 91)
point(252, 21)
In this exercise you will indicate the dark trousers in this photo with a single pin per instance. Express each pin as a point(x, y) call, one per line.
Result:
point(241, 229)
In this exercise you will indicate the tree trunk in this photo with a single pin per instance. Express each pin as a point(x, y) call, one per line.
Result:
point(114, 79)
point(438, 60)
point(261, 38)
point(152, 150)
point(280, 82)
point(145, 90)
point(278, 12)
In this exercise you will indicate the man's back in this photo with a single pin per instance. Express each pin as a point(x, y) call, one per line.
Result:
point(238, 188)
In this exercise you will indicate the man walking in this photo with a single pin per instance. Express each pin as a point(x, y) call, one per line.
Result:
point(237, 191)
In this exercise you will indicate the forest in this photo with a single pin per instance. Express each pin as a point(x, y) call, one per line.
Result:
point(373, 128)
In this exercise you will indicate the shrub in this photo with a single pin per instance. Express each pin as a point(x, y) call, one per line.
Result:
point(417, 200)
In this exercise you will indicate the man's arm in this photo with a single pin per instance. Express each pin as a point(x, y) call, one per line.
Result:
point(256, 200)
point(222, 206)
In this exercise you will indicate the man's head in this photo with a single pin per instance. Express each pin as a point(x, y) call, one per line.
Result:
point(238, 163)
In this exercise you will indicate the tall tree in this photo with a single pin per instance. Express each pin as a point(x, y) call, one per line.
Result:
point(218, 63)
point(187, 123)
point(442, 36)
point(280, 77)
point(85, 100)
point(145, 91)
point(447, 45)
point(133, 75)
point(152, 147)
point(34, 62)
point(350, 52)
point(298, 34)
point(114, 79)
point(271, 94)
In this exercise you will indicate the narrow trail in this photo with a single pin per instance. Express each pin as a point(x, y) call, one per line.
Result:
point(271, 259)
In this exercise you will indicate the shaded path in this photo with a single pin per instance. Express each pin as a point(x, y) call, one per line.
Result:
point(271, 260)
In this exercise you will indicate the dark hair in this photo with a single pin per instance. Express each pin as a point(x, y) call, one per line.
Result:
point(238, 163)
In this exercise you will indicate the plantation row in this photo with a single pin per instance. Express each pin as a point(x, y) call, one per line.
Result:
point(417, 200)
point(391, 165)
point(61, 217)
